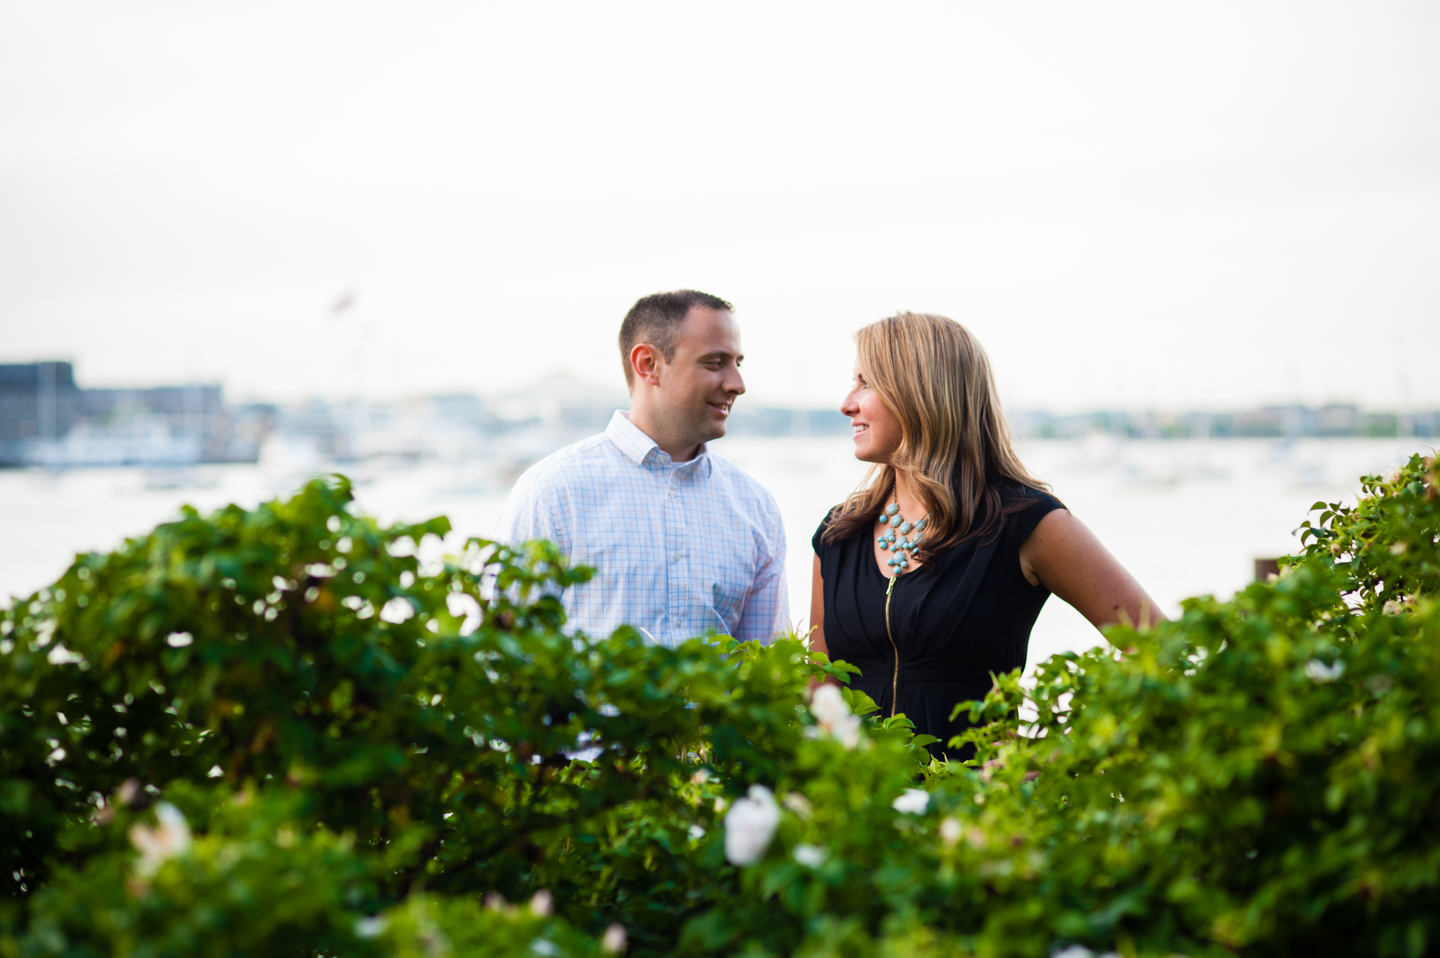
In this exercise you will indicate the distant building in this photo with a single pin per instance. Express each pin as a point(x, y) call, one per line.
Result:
point(38, 403)
point(1269, 422)
point(768, 421)
point(46, 419)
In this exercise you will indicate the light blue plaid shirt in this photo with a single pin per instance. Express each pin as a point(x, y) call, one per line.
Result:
point(679, 549)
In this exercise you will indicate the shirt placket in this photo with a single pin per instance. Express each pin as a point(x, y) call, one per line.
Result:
point(676, 555)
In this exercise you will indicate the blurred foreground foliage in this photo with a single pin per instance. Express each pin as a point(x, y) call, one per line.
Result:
point(290, 731)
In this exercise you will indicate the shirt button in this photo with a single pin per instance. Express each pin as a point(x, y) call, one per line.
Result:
point(672, 493)
point(675, 557)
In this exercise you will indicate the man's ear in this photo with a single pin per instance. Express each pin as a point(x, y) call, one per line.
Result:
point(645, 361)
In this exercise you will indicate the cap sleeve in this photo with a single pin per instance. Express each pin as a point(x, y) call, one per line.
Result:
point(1027, 517)
point(817, 541)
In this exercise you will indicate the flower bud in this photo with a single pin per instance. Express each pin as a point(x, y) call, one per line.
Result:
point(750, 825)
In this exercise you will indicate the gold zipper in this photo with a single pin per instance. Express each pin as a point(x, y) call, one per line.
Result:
point(895, 679)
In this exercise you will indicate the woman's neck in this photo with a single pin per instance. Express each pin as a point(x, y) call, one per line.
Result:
point(910, 506)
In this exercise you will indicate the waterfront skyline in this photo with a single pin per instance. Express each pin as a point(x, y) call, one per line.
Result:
point(51, 420)
point(1202, 206)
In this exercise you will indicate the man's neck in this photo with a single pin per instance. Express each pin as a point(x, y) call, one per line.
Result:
point(677, 450)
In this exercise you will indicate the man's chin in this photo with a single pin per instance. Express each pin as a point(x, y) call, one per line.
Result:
point(715, 426)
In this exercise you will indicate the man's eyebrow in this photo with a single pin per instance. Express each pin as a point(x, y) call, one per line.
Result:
point(721, 354)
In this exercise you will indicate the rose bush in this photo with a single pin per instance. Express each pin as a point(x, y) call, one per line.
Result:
point(1259, 776)
point(280, 731)
point(300, 649)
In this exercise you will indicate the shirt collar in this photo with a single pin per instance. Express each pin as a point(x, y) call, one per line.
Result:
point(640, 449)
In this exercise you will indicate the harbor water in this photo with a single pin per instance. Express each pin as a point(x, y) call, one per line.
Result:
point(1186, 517)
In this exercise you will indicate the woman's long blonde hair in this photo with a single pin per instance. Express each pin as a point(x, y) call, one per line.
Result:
point(955, 446)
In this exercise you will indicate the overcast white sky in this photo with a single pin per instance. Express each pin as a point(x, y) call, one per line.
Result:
point(1132, 204)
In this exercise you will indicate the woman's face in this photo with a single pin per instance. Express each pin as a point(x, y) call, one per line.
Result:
point(877, 430)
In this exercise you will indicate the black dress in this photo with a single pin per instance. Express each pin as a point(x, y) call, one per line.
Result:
point(954, 620)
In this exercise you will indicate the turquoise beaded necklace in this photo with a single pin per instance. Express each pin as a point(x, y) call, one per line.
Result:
point(904, 548)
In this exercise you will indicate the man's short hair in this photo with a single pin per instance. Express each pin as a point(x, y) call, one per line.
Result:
point(655, 320)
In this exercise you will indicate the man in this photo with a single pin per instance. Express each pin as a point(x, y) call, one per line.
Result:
point(682, 541)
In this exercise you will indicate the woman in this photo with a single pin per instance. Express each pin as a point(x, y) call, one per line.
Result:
point(930, 576)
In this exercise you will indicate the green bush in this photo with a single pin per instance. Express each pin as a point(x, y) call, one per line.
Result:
point(300, 648)
point(1261, 776)
point(254, 884)
point(375, 759)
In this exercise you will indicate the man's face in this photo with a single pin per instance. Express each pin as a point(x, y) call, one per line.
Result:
point(699, 385)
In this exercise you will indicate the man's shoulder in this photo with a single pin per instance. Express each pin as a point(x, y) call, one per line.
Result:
point(579, 460)
point(744, 484)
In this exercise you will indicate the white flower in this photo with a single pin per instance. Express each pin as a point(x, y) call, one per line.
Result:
point(1320, 672)
point(848, 733)
point(397, 610)
point(914, 801)
point(950, 831)
point(59, 655)
point(371, 927)
point(697, 832)
point(613, 943)
point(798, 804)
point(159, 845)
point(828, 706)
point(1379, 684)
point(750, 825)
point(809, 855)
point(542, 904)
point(1080, 951)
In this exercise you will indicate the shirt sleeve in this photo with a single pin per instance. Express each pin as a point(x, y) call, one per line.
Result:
point(526, 515)
point(767, 607)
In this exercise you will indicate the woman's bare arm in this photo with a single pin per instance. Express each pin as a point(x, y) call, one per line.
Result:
point(817, 611)
point(1065, 556)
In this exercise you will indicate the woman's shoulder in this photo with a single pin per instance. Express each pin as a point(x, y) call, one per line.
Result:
point(817, 541)
point(1017, 496)
point(1024, 506)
